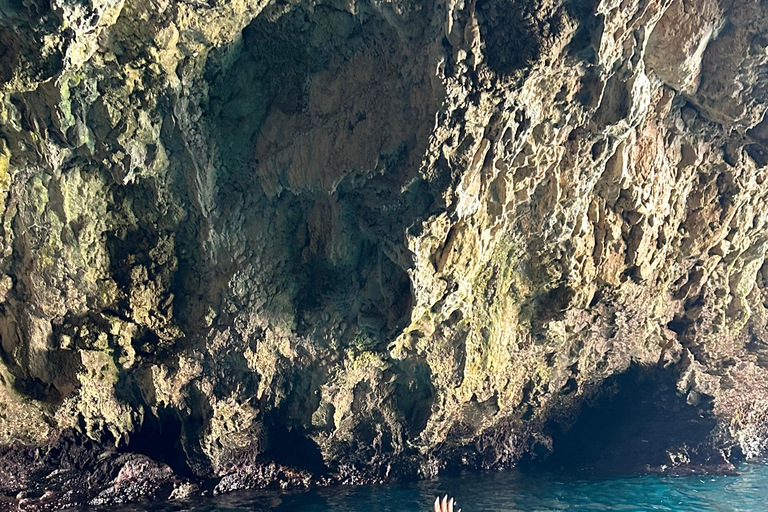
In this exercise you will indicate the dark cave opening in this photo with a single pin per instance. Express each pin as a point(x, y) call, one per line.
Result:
point(512, 37)
point(159, 438)
point(160, 434)
point(679, 325)
point(290, 447)
point(638, 423)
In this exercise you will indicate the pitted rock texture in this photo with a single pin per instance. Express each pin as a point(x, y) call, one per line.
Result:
point(301, 243)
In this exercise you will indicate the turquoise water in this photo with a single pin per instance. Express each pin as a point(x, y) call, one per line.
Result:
point(519, 492)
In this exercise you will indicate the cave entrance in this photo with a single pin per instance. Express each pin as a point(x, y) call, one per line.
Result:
point(638, 423)
point(160, 438)
point(291, 447)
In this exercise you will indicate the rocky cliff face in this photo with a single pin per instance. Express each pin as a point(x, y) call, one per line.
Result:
point(253, 243)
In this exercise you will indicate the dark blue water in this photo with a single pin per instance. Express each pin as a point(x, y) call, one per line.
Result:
point(518, 492)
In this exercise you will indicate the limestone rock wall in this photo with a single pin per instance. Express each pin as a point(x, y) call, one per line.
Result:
point(372, 239)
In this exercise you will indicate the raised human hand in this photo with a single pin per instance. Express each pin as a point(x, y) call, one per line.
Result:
point(446, 505)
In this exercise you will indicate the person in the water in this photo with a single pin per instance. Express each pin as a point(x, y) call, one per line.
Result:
point(446, 505)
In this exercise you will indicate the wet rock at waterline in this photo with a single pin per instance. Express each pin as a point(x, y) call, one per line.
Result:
point(249, 244)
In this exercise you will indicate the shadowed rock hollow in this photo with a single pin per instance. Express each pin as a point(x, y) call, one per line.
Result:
point(250, 244)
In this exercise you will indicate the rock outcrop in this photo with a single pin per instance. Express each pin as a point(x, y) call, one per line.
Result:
point(250, 243)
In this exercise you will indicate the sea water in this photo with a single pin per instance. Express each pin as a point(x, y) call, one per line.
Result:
point(515, 491)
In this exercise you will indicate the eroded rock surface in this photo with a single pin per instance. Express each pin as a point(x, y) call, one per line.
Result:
point(249, 244)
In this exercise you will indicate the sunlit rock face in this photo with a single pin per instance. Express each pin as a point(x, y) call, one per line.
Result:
point(297, 243)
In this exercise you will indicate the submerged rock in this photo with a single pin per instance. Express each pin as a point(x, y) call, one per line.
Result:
point(250, 244)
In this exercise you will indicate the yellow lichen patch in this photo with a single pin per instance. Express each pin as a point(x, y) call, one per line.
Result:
point(168, 386)
point(21, 419)
point(5, 170)
point(39, 194)
point(95, 403)
point(341, 389)
point(86, 206)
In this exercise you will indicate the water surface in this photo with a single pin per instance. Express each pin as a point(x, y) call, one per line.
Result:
point(516, 492)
